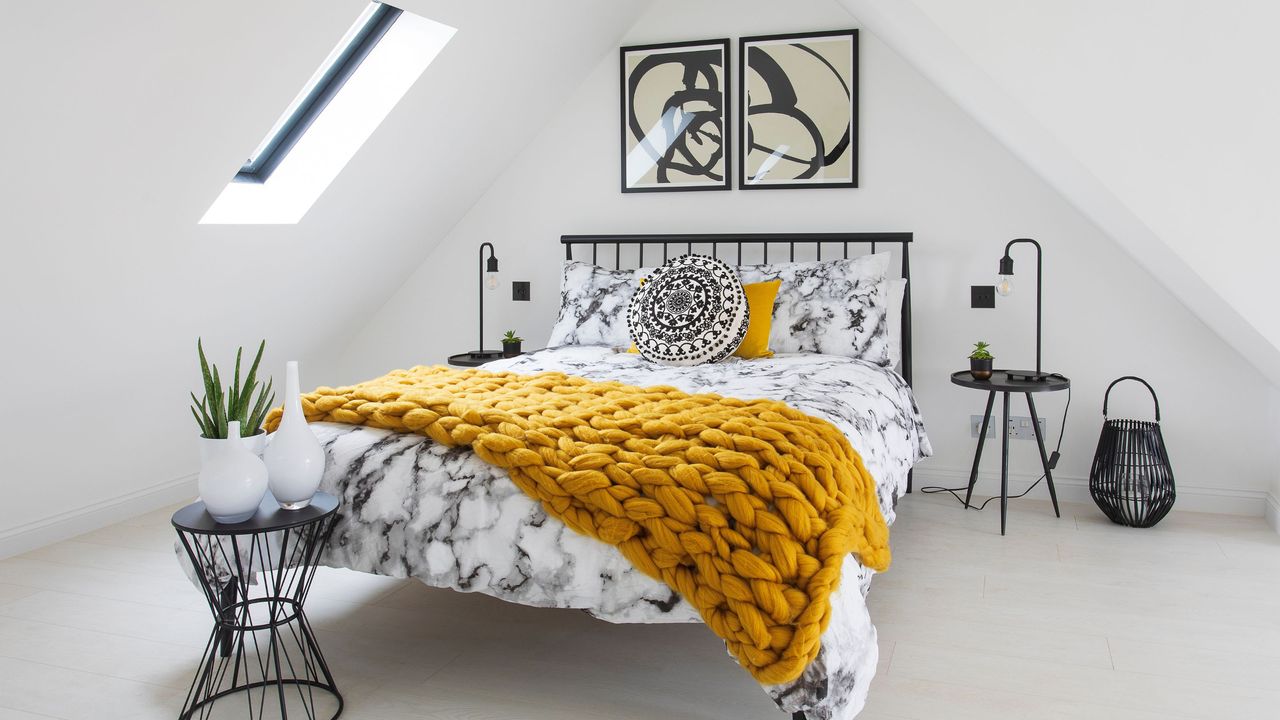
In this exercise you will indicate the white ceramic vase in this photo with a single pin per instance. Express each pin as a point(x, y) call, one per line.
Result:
point(233, 480)
point(294, 458)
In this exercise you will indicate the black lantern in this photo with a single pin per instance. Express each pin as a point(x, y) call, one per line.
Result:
point(1131, 479)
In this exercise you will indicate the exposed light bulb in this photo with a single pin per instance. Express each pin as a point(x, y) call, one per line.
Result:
point(1004, 285)
point(491, 280)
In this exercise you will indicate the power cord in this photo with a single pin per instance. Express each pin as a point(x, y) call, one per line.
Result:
point(1053, 463)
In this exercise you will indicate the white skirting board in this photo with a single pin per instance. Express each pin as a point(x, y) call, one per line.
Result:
point(39, 533)
point(1070, 489)
point(1191, 498)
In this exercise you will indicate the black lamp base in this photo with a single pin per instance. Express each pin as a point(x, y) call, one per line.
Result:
point(1028, 375)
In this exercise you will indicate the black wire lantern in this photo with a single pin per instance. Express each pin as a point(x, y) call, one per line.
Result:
point(1131, 480)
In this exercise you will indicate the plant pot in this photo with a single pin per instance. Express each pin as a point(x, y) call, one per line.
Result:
point(980, 369)
point(254, 444)
point(510, 349)
point(232, 479)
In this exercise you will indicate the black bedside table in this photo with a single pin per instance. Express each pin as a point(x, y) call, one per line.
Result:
point(1000, 382)
point(475, 359)
point(255, 576)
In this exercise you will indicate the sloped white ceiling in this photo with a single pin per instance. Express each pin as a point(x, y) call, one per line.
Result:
point(1156, 119)
point(120, 124)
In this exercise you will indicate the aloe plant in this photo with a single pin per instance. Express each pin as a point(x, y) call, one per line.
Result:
point(246, 402)
point(511, 337)
point(981, 351)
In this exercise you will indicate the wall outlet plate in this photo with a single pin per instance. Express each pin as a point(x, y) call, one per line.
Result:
point(1019, 427)
point(520, 290)
point(982, 296)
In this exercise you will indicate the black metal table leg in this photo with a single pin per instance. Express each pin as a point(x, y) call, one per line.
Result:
point(1004, 466)
point(228, 618)
point(977, 455)
point(1044, 458)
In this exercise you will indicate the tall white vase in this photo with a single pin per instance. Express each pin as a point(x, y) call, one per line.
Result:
point(294, 458)
point(232, 479)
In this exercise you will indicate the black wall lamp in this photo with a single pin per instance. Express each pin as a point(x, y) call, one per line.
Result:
point(1004, 286)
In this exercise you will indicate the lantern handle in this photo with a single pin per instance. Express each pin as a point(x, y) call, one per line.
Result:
point(1107, 396)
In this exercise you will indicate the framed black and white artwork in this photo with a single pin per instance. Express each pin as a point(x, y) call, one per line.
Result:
point(675, 116)
point(799, 111)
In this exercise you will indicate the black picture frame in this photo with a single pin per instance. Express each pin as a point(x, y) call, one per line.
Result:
point(792, 105)
point(668, 172)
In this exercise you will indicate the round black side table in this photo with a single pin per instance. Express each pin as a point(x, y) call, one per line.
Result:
point(1001, 382)
point(475, 358)
point(255, 576)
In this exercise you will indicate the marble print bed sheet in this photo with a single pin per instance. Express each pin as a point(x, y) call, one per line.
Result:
point(413, 508)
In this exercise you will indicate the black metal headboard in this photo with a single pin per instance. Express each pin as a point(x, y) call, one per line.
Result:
point(724, 245)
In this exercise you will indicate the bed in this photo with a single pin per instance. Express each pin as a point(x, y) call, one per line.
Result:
point(414, 508)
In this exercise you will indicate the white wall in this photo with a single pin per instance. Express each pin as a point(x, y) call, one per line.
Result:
point(1272, 509)
point(122, 121)
point(926, 167)
point(1171, 104)
point(1153, 118)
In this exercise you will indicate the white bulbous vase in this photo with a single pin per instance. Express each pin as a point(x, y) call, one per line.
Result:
point(232, 480)
point(255, 444)
point(294, 458)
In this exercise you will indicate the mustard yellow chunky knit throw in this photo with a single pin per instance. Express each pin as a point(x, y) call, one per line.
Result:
point(746, 508)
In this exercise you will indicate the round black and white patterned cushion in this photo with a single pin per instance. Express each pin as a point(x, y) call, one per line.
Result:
point(689, 312)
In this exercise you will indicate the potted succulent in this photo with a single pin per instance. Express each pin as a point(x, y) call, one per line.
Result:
point(245, 403)
point(980, 361)
point(511, 344)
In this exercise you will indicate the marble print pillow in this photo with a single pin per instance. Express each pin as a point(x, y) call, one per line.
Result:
point(837, 307)
point(593, 306)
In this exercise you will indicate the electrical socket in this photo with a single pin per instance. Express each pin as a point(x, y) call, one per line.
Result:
point(982, 296)
point(1019, 427)
point(520, 290)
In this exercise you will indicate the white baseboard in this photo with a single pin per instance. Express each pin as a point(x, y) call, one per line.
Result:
point(1191, 498)
point(39, 533)
point(1272, 512)
point(68, 524)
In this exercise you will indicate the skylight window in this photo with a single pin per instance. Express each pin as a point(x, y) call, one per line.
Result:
point(374, 65)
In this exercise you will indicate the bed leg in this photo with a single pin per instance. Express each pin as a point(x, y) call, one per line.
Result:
point(799, 716)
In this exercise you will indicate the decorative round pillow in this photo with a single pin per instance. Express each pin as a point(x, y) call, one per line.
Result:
point(690, 311)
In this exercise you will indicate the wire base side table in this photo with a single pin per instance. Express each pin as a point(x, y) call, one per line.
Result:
point(255, 576)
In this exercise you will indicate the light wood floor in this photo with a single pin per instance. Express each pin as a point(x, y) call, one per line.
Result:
point(1063, 618)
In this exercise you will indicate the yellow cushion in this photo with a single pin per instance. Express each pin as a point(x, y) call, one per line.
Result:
point(760, 297)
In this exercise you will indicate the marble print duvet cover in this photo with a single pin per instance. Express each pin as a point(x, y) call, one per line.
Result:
point(413, 508)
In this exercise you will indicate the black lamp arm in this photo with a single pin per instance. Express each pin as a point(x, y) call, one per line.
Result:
point(1011, 243)
point(1006, 268)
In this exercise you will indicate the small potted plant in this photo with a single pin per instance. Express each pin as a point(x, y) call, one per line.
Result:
point(244, 402)
point(980, 361)
point(511, 344)
point(233, 479)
